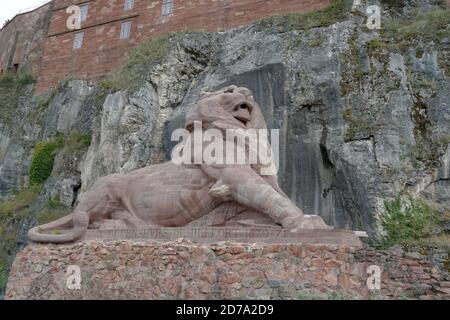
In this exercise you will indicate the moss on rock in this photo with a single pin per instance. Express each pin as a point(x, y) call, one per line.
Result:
point(337, 11)
point(407, 221)
point(43, 157)
point(134, 66)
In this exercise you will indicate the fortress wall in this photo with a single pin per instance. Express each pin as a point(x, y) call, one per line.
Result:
point(103, 50)
point(22, 40)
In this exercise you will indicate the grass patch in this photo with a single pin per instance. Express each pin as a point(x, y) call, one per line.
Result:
point(76, 144)
point(436, 241)
point(398, 34)
point(41, 104)
point(376, 45)
point(12, 87)
point(13, 214)
point(316, 42)
point(77, 140)
point(352, 72)
point(337, 11)
point(19, 201)
point(431, 26)
point(43, 158)
point(135, 66)
point(52, 211)
point(10, 80)
point(407, 221)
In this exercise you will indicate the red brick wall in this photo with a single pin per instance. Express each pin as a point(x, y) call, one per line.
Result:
point(102, 49)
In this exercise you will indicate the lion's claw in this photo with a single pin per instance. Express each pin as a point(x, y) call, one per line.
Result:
point(308, 222)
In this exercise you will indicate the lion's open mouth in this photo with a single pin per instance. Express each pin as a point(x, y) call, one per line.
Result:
point(242, 120)
point(241, 112)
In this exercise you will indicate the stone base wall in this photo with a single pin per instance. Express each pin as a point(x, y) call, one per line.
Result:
point(227, 270)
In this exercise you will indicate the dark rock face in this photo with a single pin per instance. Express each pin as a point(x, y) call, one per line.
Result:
point(306, 171)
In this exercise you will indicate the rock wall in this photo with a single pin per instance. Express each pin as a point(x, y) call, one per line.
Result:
point(102, 30)
point(22, 40)
point(227, 270)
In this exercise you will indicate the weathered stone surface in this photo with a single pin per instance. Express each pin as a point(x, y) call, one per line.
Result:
point(213, 234)
point(223, 270)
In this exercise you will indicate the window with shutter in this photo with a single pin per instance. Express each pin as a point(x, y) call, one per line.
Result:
point(84, 12)
point(78, 41)
point(125, 30)
point(167, 8)
point(128, 5)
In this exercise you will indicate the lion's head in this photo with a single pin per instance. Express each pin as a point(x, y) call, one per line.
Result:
point(229, 108)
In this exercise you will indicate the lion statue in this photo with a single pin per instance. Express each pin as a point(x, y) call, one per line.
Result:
point(176, 195)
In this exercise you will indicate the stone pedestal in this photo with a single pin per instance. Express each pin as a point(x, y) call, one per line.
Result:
point(237, 234)
point(182, 269)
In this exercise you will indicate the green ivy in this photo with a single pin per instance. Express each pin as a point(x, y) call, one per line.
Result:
point(408, 220)
point(42, 162)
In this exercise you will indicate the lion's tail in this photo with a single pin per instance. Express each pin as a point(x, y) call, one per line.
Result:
point(79, 222)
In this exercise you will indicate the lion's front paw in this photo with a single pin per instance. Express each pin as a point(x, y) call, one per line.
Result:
point(308, 222)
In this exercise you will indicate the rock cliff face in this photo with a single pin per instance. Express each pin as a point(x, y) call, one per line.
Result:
point(363, 116)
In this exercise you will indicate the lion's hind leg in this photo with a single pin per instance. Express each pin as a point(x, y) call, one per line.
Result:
point(97, 204)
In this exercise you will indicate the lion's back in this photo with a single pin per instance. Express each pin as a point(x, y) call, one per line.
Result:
point(167, 176)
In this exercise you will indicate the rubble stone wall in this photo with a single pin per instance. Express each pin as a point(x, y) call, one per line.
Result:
point(226, 270)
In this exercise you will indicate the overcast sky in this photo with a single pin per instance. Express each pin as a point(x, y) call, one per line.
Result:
point(9, 8)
